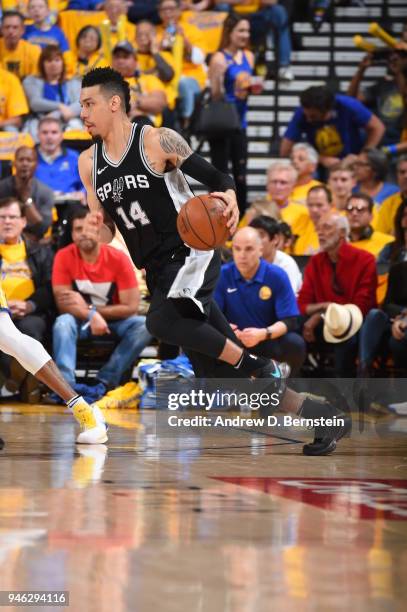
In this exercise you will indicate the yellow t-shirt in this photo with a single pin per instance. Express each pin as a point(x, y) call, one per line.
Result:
point(384, 220)
point(374, 244)
point(13, 102)
point(75, 68)
point(23, 61)
point(300, 192)
point(3, 299)
point(307, 242)
point(130, 30)
point(297, 217)
point(247, 7)
point(16, 275)
point(146, 83)
point(195, 71)
point(147, 66)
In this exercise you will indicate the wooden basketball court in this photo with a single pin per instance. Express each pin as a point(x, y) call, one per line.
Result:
point(202, 521)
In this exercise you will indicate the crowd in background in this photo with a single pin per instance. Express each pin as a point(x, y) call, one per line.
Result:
point(335, 201)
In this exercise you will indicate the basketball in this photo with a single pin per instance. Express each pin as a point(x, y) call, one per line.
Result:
point(201, 223)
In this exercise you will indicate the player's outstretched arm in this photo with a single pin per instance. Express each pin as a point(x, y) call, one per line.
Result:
point(95, 221)
point(169, 150)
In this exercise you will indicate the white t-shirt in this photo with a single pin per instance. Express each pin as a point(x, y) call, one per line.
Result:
point(287, 263)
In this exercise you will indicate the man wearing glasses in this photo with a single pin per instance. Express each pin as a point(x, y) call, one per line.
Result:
point(359, 212)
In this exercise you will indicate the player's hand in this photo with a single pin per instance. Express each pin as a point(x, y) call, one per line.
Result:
point(250, 336)
point(398, 329)
point(232, 210)
point(98, 325)
point(93, 224)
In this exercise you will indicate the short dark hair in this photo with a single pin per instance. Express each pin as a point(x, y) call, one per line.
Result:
point(359, 195)
point(378, 163)
point(285, 230)
point(317, 96)
point(323, 188)
point(268, 224)
point(4, 202)
point(13, 14)
point(111, 82)
point(78, 212)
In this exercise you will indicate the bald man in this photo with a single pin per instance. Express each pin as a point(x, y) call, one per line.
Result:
point(340, 274)
point(34, 194)
point(257, 299)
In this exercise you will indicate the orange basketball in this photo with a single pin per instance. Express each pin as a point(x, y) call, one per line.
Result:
point(201, 223)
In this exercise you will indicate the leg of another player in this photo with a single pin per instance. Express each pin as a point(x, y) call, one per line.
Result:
point(35, 359)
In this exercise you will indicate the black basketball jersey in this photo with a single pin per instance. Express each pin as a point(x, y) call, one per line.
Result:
point(144, 204)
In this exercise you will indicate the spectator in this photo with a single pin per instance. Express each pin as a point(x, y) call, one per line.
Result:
point(270, 232)
point(17, 55)
point(267, 19)
point(57, 165)
point(52, 94)
point(359, 212)
point(387, 212)
point(13, 103)
point(96, 293)
point(385, 331)
point(150, 59)
point(257, 299)
point(193, 74)
point(85, 5)
point(371, 169)
point(36, 197)
point(327, 280)
point(384, 97)
point(341, 182)
point(147, 92)
point(304, 158)
point(332, 124)
point(88, 52)
point(230, 72)
point(26, 275)
point(396, 251)
point(319, 203)
point(140, 10)
point(42, 32)
point(281, 178)
point(116, 11)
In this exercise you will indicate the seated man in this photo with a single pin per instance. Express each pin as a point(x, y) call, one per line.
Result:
point(270, 233)
point(96, 293)
point(304, 158)
point(26, 275)
point(57, 166)
point(333, 124)
point(385, 331)
point(359, 212)
point(339, 274)
point(38, 199)
point(147, 92)
point(281, 178)
point(13, 103)
point(341, 181)
point(17, 55)
point(257, 299)
point(319, 203)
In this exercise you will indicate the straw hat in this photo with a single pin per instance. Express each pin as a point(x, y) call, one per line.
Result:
point(341, 322)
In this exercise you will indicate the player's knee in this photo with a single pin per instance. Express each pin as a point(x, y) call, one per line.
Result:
point(156, 325)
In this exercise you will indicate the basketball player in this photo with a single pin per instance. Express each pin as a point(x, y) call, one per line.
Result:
point(35, 359)
point(136, 174)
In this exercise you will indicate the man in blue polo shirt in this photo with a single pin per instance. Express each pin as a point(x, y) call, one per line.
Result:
point(57, 165)
point(335, 125)
point(258, 301)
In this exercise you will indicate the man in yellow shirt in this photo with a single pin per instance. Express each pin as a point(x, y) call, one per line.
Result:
point(319, 203)
point(13, 103)
point(304, 158)
point(192, 70)
point(281, 178)
point(359, 212)
point(341, 181)
point(384, 221)
point(120, 29)
point(147, 92)
point(17, 55)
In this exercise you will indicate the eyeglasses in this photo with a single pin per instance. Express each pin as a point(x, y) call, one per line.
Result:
point(11, 217)
point(355, 208)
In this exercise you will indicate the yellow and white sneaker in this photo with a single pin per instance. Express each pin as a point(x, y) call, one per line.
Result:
point(126, 396)
point(92, 423)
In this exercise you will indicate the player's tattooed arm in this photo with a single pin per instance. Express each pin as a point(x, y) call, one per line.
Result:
point(174, 145)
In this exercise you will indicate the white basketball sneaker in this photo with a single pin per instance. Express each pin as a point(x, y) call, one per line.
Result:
point(92, 424)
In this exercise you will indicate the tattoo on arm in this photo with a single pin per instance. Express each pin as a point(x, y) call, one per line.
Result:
point(172, 142)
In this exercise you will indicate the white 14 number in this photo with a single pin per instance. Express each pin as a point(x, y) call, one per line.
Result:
point(136, 214)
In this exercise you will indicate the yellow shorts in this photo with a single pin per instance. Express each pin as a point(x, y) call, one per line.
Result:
point(3, 300)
